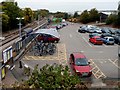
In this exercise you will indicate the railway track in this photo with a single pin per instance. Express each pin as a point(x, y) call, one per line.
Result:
point(15, 34)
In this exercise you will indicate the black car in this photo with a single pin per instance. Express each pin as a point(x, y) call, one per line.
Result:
point(105, 30)
point(112, 31)
point(117, 39)
point(106, 34)
point(117, 31)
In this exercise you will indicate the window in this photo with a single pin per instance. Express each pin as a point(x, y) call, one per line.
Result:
point(81, 62)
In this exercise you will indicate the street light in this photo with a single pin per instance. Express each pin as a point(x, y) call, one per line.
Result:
point(19, 25)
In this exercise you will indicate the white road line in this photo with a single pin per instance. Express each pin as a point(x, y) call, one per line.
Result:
point(104, 45)
point(71, 36)
point(87, 42)
point(114, 63)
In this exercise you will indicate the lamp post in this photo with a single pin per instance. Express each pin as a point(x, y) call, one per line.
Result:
point(19, 25)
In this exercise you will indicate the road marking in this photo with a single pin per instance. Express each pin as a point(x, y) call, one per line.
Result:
point(71, 36)
point(114, 63)
point(87, 42)
point(96, 70)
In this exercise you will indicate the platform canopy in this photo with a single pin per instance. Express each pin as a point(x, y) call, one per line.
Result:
point(50, 31)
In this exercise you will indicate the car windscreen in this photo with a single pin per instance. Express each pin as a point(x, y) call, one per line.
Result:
point(111, 39)
point(81, 62)
point(98, 39)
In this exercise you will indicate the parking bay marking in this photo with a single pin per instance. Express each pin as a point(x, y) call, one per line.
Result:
point(114, 63)
point(86, 41)
point(71, 36)
point(96, 71)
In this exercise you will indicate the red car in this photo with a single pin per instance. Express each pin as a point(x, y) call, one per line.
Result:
point(80, 64)
point(96, 40)
point(48, 38)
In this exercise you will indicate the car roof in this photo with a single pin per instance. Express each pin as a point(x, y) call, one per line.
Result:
point(108, 37)
point(78, 55)
point(96, 37)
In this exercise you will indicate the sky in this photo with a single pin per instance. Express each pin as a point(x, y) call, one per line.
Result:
point(69, 5)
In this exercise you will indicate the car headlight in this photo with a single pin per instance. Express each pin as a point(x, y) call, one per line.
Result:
point(77, 71)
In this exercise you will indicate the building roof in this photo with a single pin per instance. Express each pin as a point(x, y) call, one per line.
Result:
point(50, 31)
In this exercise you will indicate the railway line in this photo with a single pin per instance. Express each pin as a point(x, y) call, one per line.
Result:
point(15, 34)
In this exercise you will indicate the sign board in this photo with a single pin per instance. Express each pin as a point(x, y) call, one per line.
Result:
point(7, 54)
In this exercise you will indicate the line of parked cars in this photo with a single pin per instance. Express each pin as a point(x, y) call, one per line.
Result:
point(101, 35)
point(59, 26)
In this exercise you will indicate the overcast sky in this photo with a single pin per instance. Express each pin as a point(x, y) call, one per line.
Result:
point(69, 5)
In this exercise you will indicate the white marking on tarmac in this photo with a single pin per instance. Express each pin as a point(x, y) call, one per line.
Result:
point(71, 36)
point(114, 63)
point(87, 42)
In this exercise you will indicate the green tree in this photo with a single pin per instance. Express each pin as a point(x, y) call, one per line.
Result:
point(59, 15)
point(28, 15)
point(111, 19)
point(43, 13)
point(117, 21)
point(84, 17)
point(5, 21)
point(75, 15)
point(94, 15)
point(54, 76)
point(66, 16)
point(12, 11)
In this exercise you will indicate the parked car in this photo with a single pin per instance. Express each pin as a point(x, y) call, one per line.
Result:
point(105, 30)
point(94, 34)
point(97, 30)
point(96, 40)
point(119, 52)
point(117, 31)
point(80, 64)
point(64, 24)
point(112, 31)
point(106, 35)
point(117, 39)
point(83, 29)
point(108, 40)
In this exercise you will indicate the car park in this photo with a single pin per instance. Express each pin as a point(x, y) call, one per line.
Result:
point(96, 40)
point(108, 40)
point(79, 63)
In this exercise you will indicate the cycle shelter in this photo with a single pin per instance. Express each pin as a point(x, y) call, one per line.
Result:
point(49, 35)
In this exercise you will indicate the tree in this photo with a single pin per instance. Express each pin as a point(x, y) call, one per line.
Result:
point(12, 11)
point(59, 15)
point(111, 19)
point(66, 16)
point(94, 15)
point(75, 15)
point(5, 21)
point(54, 76)
point(28, 15)
point(84, 17)
point(43, 13)
point(117, 21)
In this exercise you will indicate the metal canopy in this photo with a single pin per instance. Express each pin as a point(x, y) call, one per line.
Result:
point(50, 31)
